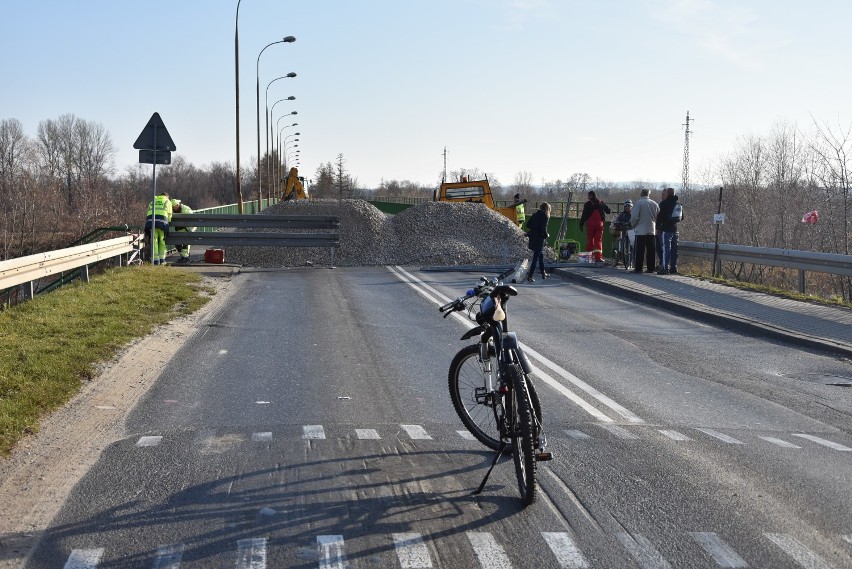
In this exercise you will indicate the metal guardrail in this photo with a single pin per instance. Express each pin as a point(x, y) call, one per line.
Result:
point(315, 231)
point(27, 270)
point(803, 261)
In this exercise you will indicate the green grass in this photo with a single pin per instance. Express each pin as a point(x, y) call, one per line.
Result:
point(782, 293)
point(52, 344)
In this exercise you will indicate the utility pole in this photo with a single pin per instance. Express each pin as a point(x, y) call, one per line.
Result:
point(445, 164)
point(685, 188)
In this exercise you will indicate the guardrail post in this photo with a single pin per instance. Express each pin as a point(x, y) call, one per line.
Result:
point(28, 290)
point(802, 281)
point(84, 273)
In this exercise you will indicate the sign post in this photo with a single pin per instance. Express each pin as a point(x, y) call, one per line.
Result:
point(155, 146)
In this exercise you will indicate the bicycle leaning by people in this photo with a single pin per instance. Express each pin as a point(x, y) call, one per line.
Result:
point(490, 384)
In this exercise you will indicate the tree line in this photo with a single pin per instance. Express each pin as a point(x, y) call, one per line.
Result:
point(61, 183)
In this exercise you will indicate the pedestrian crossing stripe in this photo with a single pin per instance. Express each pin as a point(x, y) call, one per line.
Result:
point(413, 552)
point(419, 432)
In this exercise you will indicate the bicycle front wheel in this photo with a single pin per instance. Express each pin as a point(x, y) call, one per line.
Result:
point(522, 436)
point(476, 407)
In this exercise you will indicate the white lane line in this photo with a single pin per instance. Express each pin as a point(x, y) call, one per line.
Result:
point(718, 550)
point(674, 435)
point(643, 551)
point(168, 556)
point(84, 558)
point(798, 552)
point(416, 432)
point(332, 554)
point(467, 435)
point(721, 436)
point(313, 432)
point(439, 298)
point(566, 552)
point(588, 408)
point(619, 432)
point(488, 551)
point(575, 434)
point(148, 441)
point(779, 442)
point(847, 538)
point(265, 436)
point(823, 442)
point(411, 551)
point(367, 434)
point(251, 553)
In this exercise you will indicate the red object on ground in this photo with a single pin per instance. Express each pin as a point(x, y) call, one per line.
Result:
point(811, 217)
point(214, 256)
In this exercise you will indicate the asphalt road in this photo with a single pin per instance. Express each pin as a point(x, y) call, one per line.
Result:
point(308, 425)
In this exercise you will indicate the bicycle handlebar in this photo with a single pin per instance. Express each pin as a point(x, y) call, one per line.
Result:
point(483, 288)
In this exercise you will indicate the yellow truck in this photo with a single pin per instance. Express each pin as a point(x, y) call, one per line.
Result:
point(472, 191)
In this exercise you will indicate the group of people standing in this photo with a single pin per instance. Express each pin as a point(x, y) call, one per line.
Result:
point(655, 226)
point(157, 225)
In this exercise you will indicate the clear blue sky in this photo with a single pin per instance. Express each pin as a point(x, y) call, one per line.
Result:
point(550, 87)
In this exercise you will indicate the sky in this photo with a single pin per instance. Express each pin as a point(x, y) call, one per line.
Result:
point(546, 87)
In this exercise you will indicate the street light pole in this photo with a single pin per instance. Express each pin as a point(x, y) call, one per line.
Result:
point(280, 157)
point(270, 134)
point(237, 81)
point(287, 39)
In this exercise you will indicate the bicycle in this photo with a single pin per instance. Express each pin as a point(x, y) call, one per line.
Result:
point(497, 404)
point(623, 250)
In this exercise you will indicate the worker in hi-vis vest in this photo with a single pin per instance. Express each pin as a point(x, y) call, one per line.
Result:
point(183, 250)
point(520, 214)
point(157, 224)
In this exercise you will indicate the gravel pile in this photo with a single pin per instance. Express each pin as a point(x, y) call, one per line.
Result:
point(432, 233)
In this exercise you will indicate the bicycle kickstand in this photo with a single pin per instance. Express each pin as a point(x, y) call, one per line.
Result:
point(493, 464)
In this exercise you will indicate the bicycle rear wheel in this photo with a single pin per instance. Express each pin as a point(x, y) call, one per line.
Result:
point(475, 406)
point(522, 436)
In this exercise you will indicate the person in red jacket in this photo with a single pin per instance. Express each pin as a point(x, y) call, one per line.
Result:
point(593, 217)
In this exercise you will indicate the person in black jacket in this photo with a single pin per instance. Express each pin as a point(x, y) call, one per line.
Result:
point(593, 217)
point(667, 221)
point(537, 234)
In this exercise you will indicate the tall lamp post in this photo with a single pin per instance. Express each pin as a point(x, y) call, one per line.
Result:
point(237, 81)
point(287, 39)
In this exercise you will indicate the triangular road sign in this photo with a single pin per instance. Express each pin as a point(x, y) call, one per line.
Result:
point(155, 129)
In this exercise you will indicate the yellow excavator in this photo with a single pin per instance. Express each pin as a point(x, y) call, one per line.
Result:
point(472, 191)
point(294, 189)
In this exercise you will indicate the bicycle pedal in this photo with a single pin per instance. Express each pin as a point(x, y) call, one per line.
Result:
point(544, 456)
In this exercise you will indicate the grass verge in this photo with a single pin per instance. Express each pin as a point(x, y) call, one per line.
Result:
point(53, 343)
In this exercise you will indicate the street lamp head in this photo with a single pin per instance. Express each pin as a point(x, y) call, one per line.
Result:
point(290, 75)
point(291, 98)
point(294, 113)
point(289, 39)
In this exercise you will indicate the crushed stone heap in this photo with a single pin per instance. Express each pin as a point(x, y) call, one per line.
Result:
point(431, 233)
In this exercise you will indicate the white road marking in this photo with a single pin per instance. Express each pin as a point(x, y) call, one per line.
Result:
point(439, 298)
point(823, 442)
point(721, 436)
point(148, 441)
point(488, 551)
point(779, 442)
point(411, 551)
point(332, 553)
point(674, 435)
point(643, 551)
point(313, 432)
point(416, 432)
point(718, 550)
point(265, 436)
point(575, 434)
point(847, 538)
point(367, 434)
point(466, 435)
point(566, 552)
point(251, 553)
point(168, 556)
point(619, 432)
point(84, 558)
point(798, 552)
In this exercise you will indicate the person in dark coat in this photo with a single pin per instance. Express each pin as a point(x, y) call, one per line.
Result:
point(593, 217)
point(668, 223)
point(537, 234)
